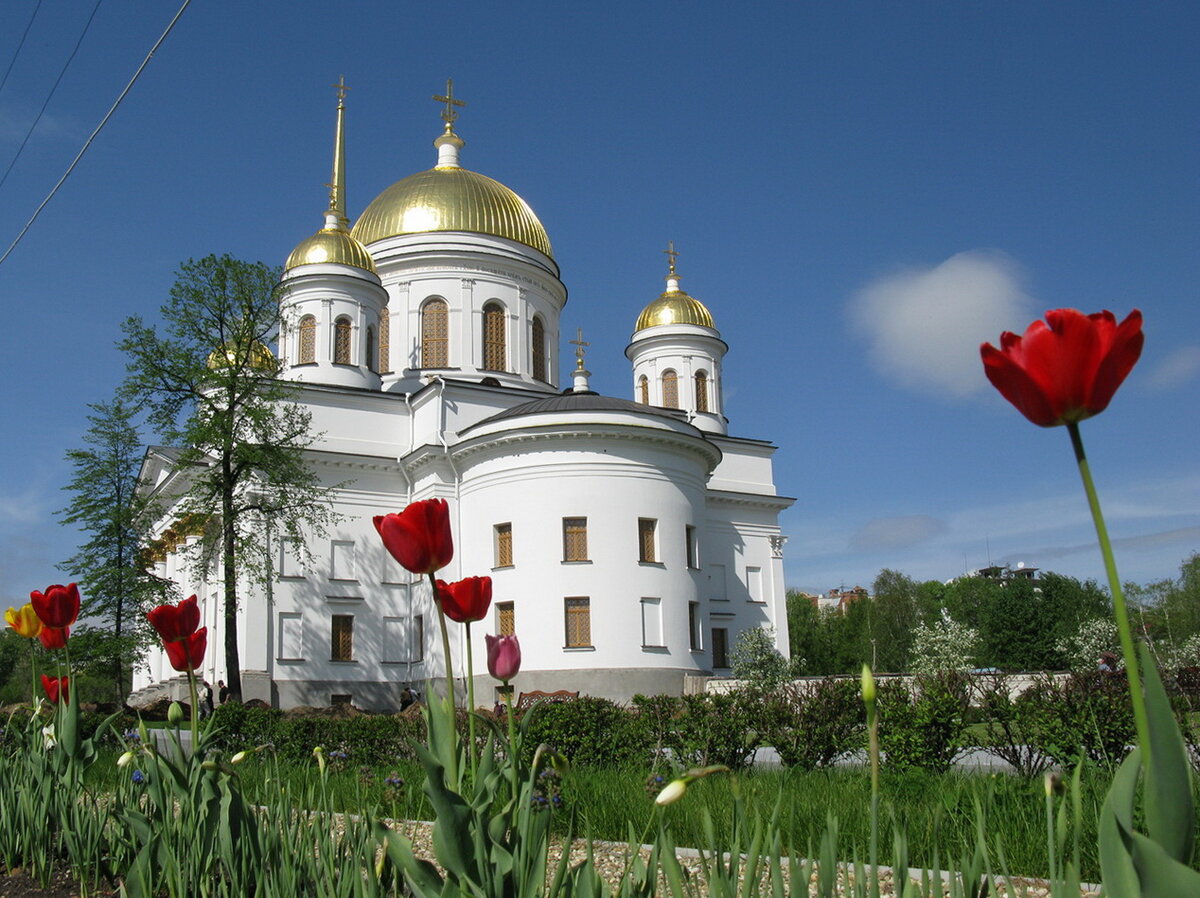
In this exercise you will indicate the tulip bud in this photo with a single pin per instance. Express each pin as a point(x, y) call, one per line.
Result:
point(1053, 783)
point(126, 759)
point(239, 757)
point(319, 754)
point(672, 793)
point(175, 714)
point(868, 685)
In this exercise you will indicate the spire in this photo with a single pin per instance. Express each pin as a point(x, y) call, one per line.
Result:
point(335, 217)
point(449, 143)
point(672, 277)
point(581, 374)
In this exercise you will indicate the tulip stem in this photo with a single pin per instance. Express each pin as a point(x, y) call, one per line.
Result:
point(470, 703)
point(1118, 597)
point(193, 694)
point(449, 681)
point(512, 740)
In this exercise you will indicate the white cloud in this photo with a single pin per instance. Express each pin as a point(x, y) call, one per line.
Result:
point(1176, 369)
point(897, 533)
point(924, 326)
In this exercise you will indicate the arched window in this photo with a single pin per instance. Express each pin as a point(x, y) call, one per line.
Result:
point(670, 389)
point(493, 337)
point(537, 340)
point(701, 391)
point(644, 390)
point(435, 334)
point(307, 354)
point(341, 341)
point(370, 354)
point(385, 343)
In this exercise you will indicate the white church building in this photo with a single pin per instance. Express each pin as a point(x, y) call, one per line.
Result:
point(629, 540)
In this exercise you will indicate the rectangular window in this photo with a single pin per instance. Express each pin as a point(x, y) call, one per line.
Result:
point(289, 559)
point(418, 638)
point(720, 647)
point(754, 583)
point(575, 539)
point(291, 636)
point(646, 528)
point(341, 638)
point(504, 553)
point(341, 560)
point(506, 623)
point(394, 648)
point(690, 548)
point(694, 626)
point(652, 629)
point(579, 622)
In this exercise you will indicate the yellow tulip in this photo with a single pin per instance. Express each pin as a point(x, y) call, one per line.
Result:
point(24, 620)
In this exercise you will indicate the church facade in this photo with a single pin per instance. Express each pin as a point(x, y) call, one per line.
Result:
point(629, 540)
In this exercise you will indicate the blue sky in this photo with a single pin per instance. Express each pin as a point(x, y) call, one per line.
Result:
point(860, 192)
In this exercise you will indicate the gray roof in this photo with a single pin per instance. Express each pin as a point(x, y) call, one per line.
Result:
point(580, 402)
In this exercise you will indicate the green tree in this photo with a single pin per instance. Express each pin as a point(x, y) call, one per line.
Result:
point(894, 617)
point(106, 506)
point(212, 388)
point(756, 660)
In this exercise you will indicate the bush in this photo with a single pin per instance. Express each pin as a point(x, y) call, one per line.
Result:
point(924, 725)
point(1086, 716)
point(591, 732)
point(716, 729)
point(1009, 721)
point(811, 724)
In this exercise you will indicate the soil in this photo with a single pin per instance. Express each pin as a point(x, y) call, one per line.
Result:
point(18, 884)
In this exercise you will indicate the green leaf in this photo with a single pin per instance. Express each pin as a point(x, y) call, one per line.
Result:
point(1170, 818)
point(1116, 823)
point(1161, 874)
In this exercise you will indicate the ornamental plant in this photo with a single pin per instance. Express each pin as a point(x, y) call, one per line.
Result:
point(1061, 372)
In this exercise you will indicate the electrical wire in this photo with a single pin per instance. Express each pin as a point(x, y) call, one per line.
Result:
point(50, 96)
point(20, 44)
point(88, 142)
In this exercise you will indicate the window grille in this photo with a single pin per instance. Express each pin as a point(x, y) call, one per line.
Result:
point(701, 391)
point(575, 539)
point(670, 388)
point(341, 643)
point(505, 619)
point(435, 334)
point(370, 349)
point(493, 337)
point(644, 390)
point(579, 622)
point(341, 341)
point(308, 340)
point(537, 338)
point(646, 539)
point(385, 343)
point(504, 553)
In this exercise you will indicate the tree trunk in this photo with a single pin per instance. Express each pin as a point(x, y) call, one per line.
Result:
point(233, 665)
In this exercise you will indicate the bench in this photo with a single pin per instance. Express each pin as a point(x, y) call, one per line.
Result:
point(528, 699)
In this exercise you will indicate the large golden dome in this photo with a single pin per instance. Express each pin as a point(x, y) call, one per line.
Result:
point(331, 245)
point(449, 198)
point(674, 307)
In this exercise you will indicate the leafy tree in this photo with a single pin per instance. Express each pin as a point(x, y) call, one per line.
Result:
point(756, 660)
point(893, 618)
point(212, 388)
point(108, 510)
point(943, 645)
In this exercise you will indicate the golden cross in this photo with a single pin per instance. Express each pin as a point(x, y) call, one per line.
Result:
point(579, 342)
point(671, 254)
point(449, 116)
point(341, 88)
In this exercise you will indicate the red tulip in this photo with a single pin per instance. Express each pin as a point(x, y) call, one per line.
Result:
point(58, 606)
point(176, 621)
point(419, 537)
point(466, 600)
point(54, 637)
point(56, 687)
point(504, 657)
point(1066, 368)
point(187, 653)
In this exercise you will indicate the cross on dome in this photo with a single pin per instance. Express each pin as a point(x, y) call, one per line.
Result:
point(671, 254)
point(449, 114)
point(579, 343)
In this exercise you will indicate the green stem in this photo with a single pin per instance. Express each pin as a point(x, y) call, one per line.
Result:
point(191, 675)
point(445, 640)
point(512, 741)
point(471, 703)
point(1119, 610)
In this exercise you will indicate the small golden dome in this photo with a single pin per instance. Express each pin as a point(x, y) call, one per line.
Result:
point(449, 198)
point(260, 357)
point(674, 307)
point(331, 245)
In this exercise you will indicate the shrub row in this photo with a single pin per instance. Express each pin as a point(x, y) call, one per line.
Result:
point(926, 723)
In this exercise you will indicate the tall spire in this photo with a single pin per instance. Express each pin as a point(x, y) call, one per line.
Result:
point(336, 216)
point(672, 277)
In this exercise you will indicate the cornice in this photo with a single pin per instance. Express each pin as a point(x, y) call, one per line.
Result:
point(729, 498)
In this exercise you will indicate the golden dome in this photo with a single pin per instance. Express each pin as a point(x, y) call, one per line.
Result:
point(331, 245)
point(449, 198)
point(674, 307)
point(226, 356)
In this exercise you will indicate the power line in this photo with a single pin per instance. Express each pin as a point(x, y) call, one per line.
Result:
point(103, 122)
point(50, 96)
point(20, 44)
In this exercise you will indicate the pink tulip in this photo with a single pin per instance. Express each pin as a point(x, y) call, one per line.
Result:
point(503, 657)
